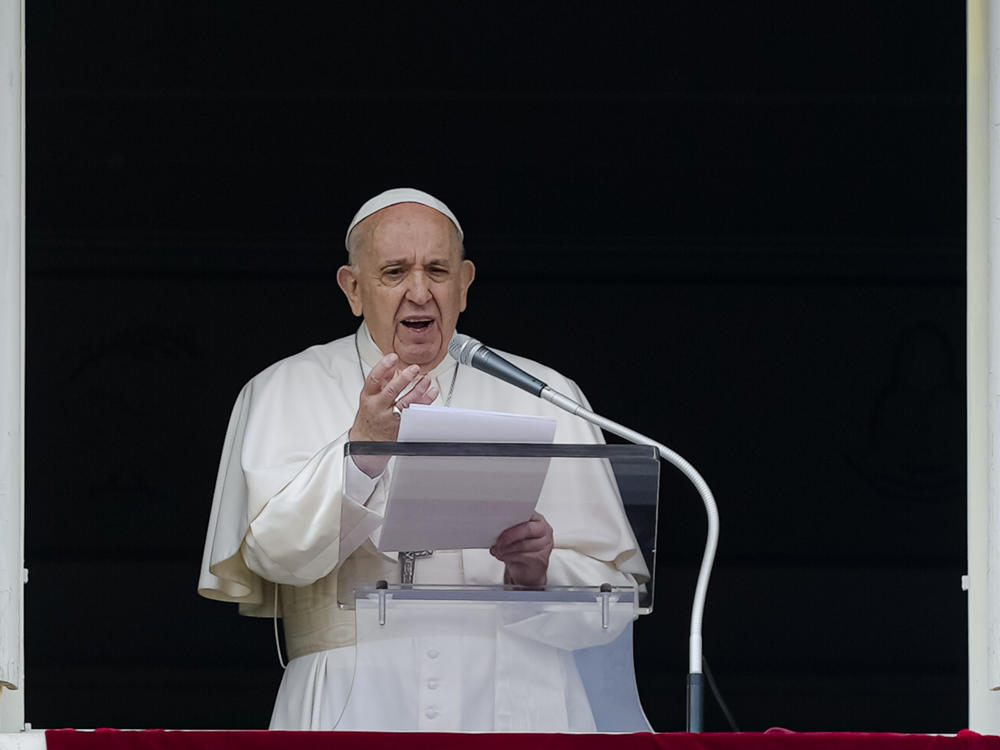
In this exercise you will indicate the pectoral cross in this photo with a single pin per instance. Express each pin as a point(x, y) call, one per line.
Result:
point(407, 561)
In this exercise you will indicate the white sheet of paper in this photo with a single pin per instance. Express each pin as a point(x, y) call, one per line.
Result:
point(421, 423)
point(461, 503)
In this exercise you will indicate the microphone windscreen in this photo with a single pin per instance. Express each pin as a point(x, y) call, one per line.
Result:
point(462, 347)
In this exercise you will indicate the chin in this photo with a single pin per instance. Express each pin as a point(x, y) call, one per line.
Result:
point(420, 355)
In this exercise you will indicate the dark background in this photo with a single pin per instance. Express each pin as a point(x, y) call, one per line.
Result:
point(739, 226)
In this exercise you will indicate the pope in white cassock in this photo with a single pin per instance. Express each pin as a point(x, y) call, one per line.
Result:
point(292, 523)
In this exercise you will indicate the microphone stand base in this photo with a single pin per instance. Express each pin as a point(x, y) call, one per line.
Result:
point(695, 692)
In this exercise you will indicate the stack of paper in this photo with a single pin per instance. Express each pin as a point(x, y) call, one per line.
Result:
point(461, 502)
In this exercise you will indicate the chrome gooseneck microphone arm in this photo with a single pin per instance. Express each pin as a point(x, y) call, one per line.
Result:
point(695, 688)
point(468, 351)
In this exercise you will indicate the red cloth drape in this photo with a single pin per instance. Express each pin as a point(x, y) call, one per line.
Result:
point(107, 739)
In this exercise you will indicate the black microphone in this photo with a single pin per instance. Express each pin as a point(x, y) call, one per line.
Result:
point(470, 352)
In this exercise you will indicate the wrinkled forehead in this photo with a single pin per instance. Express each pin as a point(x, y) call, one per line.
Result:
point(408, 228)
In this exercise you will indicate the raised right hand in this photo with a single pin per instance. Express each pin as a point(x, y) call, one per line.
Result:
point(376, 419)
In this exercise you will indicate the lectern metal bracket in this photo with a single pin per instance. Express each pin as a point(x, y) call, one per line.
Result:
point(605, 599)
point(382, 587)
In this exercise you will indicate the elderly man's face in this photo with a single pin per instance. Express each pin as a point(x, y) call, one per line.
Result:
point(410, 284)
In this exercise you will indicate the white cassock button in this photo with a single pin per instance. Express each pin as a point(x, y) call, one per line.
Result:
point(431, 713)
point(433, 653)
point(432, 684)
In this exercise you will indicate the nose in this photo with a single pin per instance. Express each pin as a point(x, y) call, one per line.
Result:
point(418, 290)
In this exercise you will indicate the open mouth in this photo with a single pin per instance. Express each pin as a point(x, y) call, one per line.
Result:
point(418, 324)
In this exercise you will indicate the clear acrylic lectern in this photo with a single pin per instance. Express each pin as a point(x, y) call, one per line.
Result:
point(454, 651)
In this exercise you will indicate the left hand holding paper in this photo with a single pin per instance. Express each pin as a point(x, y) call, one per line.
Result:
point(524, 549)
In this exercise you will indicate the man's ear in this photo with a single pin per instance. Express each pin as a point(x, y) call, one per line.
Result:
point(467, 272)
point(347, 280)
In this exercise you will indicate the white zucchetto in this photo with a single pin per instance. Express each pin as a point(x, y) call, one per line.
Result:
point(400, 195)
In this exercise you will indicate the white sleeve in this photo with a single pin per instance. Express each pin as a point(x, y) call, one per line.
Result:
point(568, 567)
point(310, 525)
point(358, 486)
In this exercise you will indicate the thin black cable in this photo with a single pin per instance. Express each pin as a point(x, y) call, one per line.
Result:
point(718, 696)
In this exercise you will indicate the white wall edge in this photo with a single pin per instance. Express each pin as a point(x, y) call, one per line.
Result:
point(983, 360)
point(12, 363)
